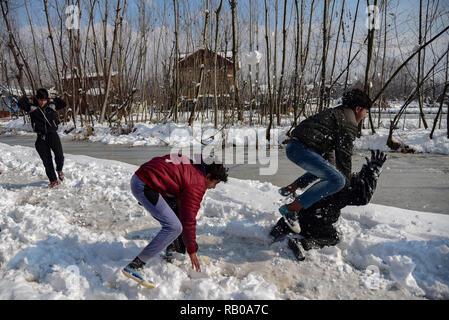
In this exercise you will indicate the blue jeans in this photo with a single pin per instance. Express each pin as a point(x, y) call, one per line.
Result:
point(331, 180)
point(161, 211)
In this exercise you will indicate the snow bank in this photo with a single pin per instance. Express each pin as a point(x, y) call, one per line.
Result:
point(418, 139)
point(71, 242)
point(180, 136)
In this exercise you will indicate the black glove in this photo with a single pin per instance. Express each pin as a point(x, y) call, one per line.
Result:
point(377, 160)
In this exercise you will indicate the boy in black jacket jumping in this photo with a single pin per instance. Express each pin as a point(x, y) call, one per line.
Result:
point(316, 223)
point(322, 145)
point(44, 120)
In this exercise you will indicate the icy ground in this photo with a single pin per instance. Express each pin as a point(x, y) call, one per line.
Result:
point(72, 241)
point(181, 135)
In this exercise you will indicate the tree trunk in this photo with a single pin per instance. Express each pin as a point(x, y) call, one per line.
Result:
point(420, 67)
point(297, 49)
point(383, 61)
point(443, 98)
point(270, 104)
point(11, 46)
point(237, 106)
point(284, 49)
point(176, 60)
point(275, 62)
point(38, 69)
point(60, 89)
point(351, 43)
point(324, 56)
point(109, 68)
point(367, 85)
point(250, 76)
point(202, 67)
point(217, 16)
point(340, 26)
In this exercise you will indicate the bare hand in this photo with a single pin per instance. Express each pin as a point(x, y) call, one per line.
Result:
point(195, 262)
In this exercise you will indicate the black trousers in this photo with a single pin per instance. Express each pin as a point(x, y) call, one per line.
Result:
point(44, 145)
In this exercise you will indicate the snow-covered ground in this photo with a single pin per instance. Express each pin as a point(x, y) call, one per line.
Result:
point(72, 241)
point(409, 132)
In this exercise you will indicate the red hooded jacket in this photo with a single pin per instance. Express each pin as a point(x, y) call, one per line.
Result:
point(175, 176)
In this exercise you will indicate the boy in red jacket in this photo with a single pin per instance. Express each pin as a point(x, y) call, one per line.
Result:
point(172, 176)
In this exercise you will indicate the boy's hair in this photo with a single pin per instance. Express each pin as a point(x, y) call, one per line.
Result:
point(42, 94)
point(217, 171)
point(356, 98)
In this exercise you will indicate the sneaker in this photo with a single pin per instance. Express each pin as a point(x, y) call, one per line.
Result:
point(61, 175)
point(295, 246)
point(287, 192)
point(291, 219)
point(169, 256)
point(318, 243)
point(279, 231)
point(284, 192)
point(53, 184)
point(137, 276)
point(134, 271)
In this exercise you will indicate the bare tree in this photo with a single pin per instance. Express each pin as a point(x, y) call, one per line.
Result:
point(237, 105)
point(217, 23)
point(369, 55)
point(443, 98)
point(50, 35)
point(420, 69)
point(270, 102)
point(324, 55)
point(250, 82)
point(340, 28)
point(351, 43)
point(36, 56)
point(202, 66)
point(284, 49)
point(109, 68)
point(13, 46)
point(176, 60)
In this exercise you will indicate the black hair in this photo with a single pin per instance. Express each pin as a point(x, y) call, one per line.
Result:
point(217, 171)
point(357, 98)
point(42, 94)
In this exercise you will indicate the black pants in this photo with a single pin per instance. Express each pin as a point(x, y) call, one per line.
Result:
point(44, 145)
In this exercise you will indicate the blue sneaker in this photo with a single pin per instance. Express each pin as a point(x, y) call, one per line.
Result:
point(137, 276)
point(169, 256)
point(284, 192)
point(291, 219)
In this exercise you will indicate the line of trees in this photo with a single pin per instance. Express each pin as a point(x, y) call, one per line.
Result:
point(312, 51)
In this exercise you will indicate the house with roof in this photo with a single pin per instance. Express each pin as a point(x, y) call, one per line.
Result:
point(189, 66)
point(94, 85)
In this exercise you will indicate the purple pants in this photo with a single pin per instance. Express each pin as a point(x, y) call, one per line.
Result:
point(161, 211)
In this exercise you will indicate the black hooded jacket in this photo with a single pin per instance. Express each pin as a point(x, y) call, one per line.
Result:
point(43, 119)
point(330, 131)
point(317, 221)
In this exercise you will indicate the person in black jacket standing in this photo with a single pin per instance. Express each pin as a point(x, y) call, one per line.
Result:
point(317, 229)
point(44, 120)
point(322, 145)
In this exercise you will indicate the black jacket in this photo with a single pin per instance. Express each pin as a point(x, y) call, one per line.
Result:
point(327, 211)
point(45, 119)
point(317, 221)
point(328, 132)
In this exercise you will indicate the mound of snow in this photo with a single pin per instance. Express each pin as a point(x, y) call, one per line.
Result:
point(72, 241)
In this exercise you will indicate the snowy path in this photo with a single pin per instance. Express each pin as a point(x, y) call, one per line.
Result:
point(92, 226)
